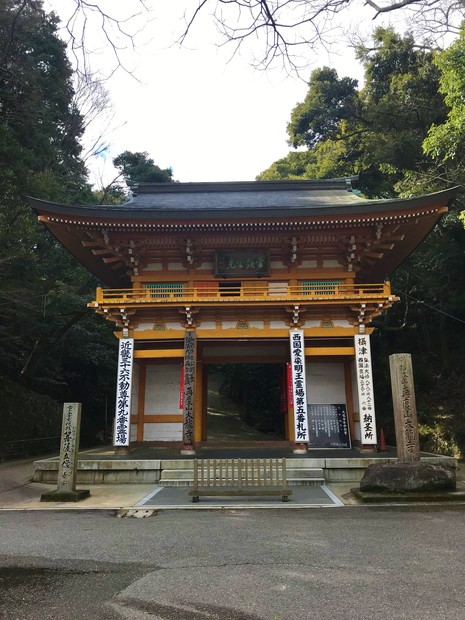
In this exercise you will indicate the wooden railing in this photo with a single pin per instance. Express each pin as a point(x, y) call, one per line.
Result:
point(164, 294)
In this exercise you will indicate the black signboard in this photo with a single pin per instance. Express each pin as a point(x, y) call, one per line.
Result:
point(236, 263)
point(328, 426)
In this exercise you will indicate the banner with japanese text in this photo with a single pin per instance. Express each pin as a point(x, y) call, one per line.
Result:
point(365, 389)
point(123, 392)
point(299, 388)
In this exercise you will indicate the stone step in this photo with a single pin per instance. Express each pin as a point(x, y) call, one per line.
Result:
point(291, 463)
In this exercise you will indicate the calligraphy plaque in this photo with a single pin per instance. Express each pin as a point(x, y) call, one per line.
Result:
point(190, 347)
point(242, 263)
point(123, 392)
point(299, 387)
point(329, 427)
point(405, 410)
point(365, 389)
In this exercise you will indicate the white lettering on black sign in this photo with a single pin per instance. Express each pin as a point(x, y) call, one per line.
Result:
point(299, 388)
point(328, 426)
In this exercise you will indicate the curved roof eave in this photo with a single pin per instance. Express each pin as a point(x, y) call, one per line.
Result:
point(126, 211)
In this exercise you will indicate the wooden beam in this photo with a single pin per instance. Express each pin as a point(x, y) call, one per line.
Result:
point(157, 353)
point(318, 351)
point(141, 401)
point(163, 418)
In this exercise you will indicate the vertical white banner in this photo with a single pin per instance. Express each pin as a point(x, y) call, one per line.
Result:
point(299, 387)
point(365, 389)
point(123, 392)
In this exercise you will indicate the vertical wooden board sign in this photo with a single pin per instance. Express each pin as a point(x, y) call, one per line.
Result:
point(299, 387)
point(189, 386)
point(123, 392)
point(365, 389)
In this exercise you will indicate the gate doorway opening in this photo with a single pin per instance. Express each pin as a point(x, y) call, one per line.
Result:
point(246, 402)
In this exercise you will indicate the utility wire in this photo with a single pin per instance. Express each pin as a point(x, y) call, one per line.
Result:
point(451, 316)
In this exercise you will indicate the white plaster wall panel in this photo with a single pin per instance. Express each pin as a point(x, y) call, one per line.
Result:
point(277, 264)
point(312, 324)
point(176, 267)
point(331, 263)
point(162, 389)
point(135, 388)
point(229, 324)
point(277, 288)
point(208, 325)
point(163, 432)
point(278, 325)
point(257, 324)
point(342, 324)
point(133, 433)
point(325, 383)
point(173, 325)
point(308, 264)
point(153, 267)
point(143, 326)
point(205, 266)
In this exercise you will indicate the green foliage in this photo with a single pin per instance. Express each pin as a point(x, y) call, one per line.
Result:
point(403, 133)
point(138, 167)
point(377, 131)
point(46, 342)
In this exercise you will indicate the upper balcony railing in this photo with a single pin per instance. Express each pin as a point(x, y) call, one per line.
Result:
point(223, 293)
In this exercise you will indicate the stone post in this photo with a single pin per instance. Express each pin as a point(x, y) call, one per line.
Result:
point(67, 467)
point(405, 411)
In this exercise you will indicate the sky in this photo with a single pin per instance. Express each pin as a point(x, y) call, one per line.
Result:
point(193, 108)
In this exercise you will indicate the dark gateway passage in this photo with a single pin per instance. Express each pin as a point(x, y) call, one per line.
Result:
point(246, 402)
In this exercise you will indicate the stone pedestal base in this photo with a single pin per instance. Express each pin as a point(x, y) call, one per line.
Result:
point(300, 448)
point(407, 478)
point(187, 449)
point(65, 496)
point(121, 450)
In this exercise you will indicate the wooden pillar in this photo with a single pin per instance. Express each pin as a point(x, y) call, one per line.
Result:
point(290, 434)
point(349, 399)
point(190, 359)
point(141, 401)
point(204, 404)
point(198, 403)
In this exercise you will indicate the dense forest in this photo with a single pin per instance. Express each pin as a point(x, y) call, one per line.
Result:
point(402, 132)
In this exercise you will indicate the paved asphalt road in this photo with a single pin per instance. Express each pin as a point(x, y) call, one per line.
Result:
point(319, 564)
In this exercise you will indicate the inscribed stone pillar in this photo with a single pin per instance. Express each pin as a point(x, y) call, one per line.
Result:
point(121, 433)
point(299, 388)
point(69, 449)
point(365, 390)
point(405, 411)
point(190, 358)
